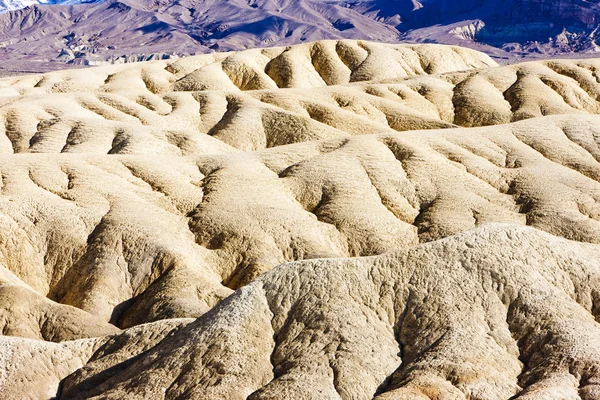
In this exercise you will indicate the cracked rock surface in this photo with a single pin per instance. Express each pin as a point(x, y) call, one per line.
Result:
point(338, 219)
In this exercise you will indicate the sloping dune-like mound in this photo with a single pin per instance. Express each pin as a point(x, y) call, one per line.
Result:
point(236, 98)
point(330, 220)
point(301, 66)
point(518, 321)
point(377, 331)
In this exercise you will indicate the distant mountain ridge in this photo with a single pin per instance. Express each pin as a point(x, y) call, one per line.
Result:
point(11, 5)
point(522, 26)
point(50, 32)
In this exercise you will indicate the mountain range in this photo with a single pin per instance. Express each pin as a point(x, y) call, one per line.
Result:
point(47, 34)
point(10, 5)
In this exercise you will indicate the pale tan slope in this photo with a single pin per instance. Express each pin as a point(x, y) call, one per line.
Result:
point(308, 65)
point(528, 90)
point(33, 369)
point(212, 121)
point(27, 313)
point(133, 239)
point(181, 107)
point(126, 117)
point(494, 313)
point(151, 192)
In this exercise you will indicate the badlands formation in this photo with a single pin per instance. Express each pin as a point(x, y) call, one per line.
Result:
point(333, 220)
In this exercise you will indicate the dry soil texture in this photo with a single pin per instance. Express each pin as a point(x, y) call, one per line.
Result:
point(337, 219)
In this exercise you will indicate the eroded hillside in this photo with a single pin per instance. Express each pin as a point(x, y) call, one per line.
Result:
point(134, 200)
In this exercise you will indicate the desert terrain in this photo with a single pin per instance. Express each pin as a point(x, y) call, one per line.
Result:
point(332, 220)
point(46, 35)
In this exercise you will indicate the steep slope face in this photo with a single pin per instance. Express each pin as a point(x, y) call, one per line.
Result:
point(131, 242)
point(522, 27)
point(385, 327)
point(455, 318)
point(32, 369)
point(512, 12)
point(135, 199)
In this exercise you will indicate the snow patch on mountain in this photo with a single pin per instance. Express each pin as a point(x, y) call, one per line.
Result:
point(10, 5)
